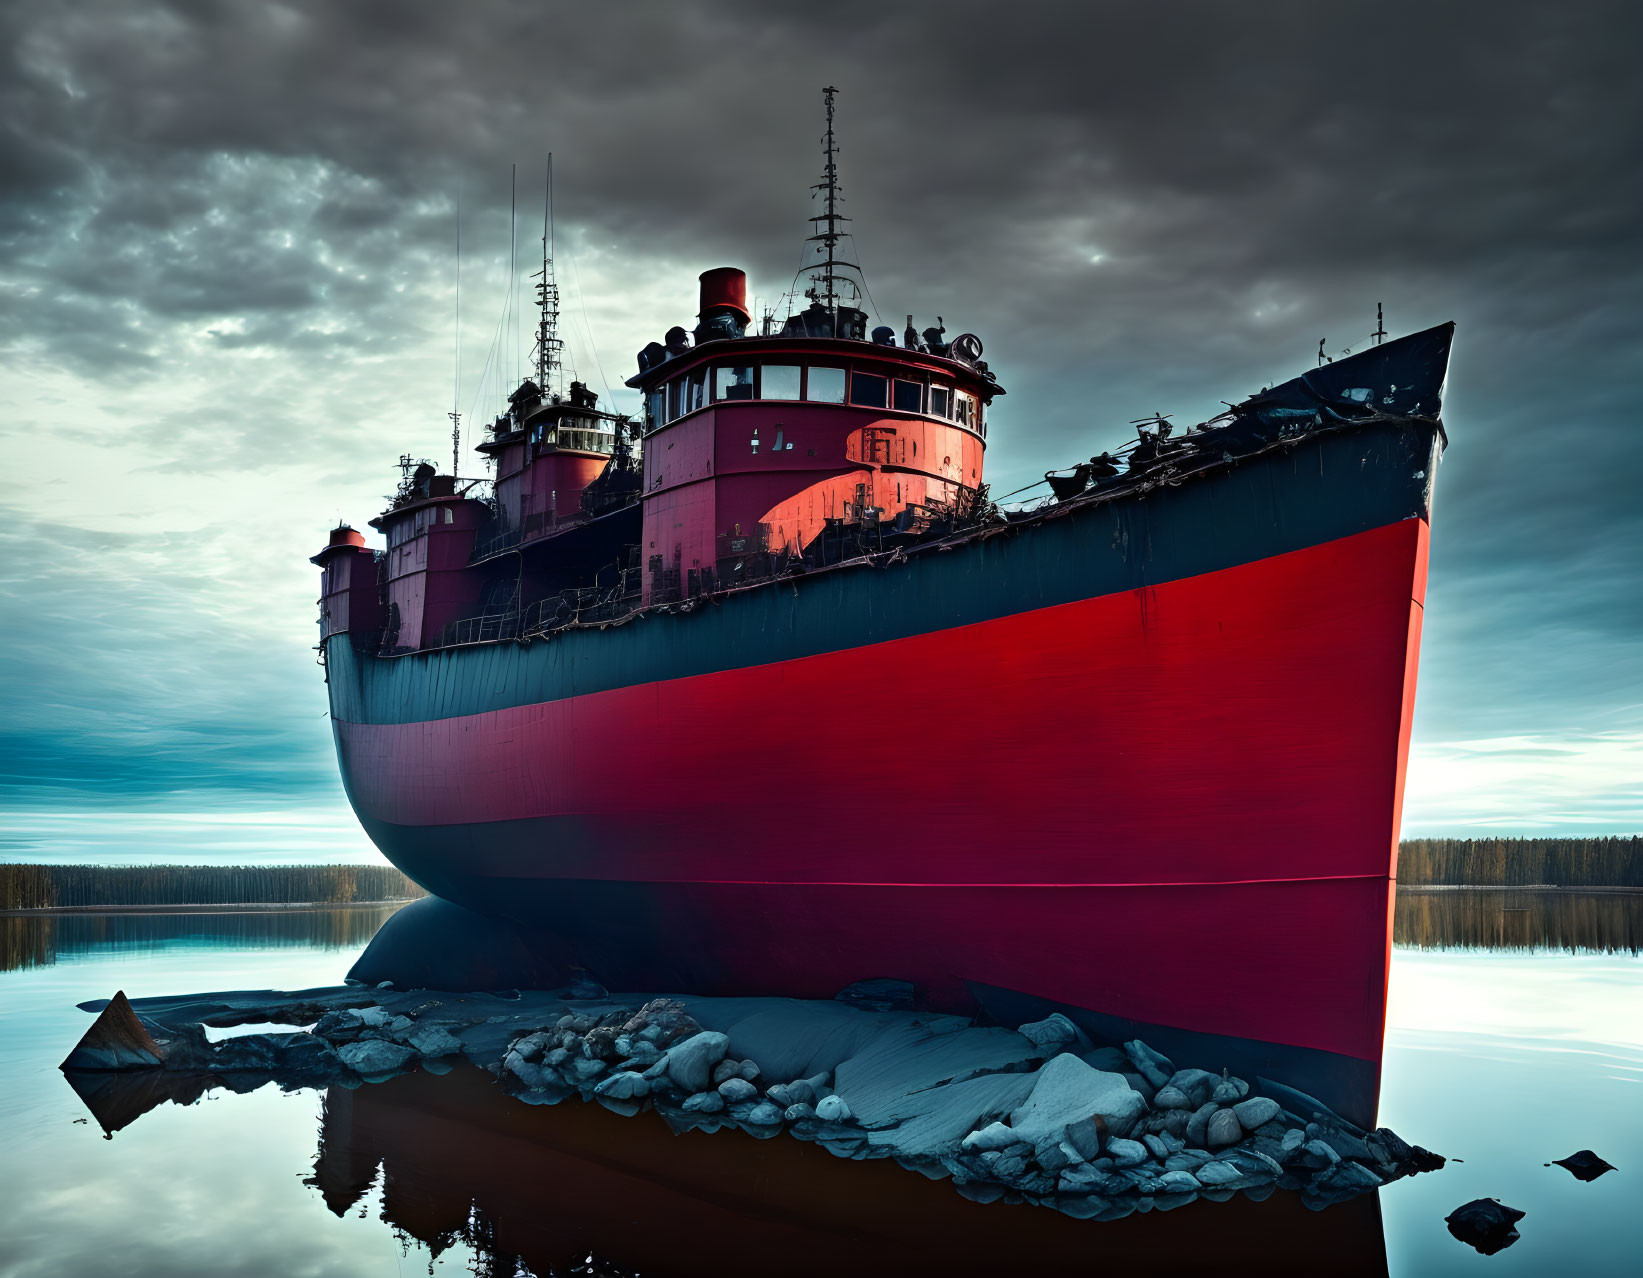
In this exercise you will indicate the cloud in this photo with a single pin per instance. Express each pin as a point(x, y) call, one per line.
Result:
point(227, 290)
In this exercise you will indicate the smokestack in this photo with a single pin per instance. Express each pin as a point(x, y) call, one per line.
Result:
point(724, 288)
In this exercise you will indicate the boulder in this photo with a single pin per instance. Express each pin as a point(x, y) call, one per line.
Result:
point(704, 1103)
point(832, 1109)
point(116, 1040)
point(1255, 1112)
point(624, 1086)
point(1170, 1097)
point(1053, 1155)
point(1156, 1146)
point(1583, 1165)
point(690, 1061)
point(726, 1069)
point(1229, 1091)
point(1084, 1137)
point(1198, 1124)
point(1218, 1173)
point(435, 1041)
point(1153, 1066)
point(1178, 1182)
point(798, 1113)
point(736, 1088)
point(1396, 1149)
point(1067, 1091)
point(992, 1136)
point(1053, 1033)
point(1197, 1085)
point(1316, 1154)
point(375, 1056)
point(1126, 1153)
point(764, 1114)
point(1485, 1225)
point(1347, 1178)
point(1223, 1129)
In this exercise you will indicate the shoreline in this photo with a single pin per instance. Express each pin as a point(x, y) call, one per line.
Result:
point(259, 907)
point(220, 907)
point(1606, 888)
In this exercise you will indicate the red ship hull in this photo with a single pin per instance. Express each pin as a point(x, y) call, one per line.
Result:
point(1171, 809)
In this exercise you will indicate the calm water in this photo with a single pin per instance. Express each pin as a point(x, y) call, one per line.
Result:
point(1516, 1037)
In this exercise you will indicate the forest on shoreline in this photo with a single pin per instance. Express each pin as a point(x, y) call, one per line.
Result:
point(1613, 861)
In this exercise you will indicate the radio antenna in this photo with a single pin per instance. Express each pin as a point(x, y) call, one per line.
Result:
point(1380, 326)
point(456, 357)
point(549, 347)
point(824, 280)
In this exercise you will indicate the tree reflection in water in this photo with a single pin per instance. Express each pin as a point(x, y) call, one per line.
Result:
point(1519, 920)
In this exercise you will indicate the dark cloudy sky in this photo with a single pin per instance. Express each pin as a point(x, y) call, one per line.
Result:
point(226, 307)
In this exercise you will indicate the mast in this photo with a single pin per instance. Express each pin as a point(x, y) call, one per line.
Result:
point(825, 282)
point(456, 360)
point(548, 343)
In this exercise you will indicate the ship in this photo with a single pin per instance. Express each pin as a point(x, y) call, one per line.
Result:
point(762, 692)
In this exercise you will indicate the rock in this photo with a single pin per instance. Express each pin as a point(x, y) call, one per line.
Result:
point(644, 1053)
point(704, 1103)
point(795, 1093)
point(385, 985)
point(1218, 1173)
point(1294, 1138)
point(1584, 1165)
point(1198, 1124)
point(1127, 1153)
point(1229, 1091)
point(1053, 1155)
point(1223, 1129)
point(750, 1071)
point(798, 1113)
point(1109, 1060)
point(375, 1056)
point(1184, 1161)
point(1178, 1182)
point(1255, 1112)
point(832, 1109)
point(984, 1140)
point(1347, 1145)
point(1084, 1137)
point(1171, 1098)
point(1156, 1145)
point(726, 1069)
point(1396, 1149)
point(1152, 1066)
point(1348, 1178)
point(1080, 1178)
point(1315, 1153)
point(625, 1086)
point(1174, 1124)
point(736, 1088)
point(690, 1061)
point(1485, 1224)
point(435, 1041)
point(1197, 1085)
point(1053, 1034)
point(1424, 1160)
point(1066, 1091)
point(764, 1114)
point(115, 1041)
point(1009, 1167)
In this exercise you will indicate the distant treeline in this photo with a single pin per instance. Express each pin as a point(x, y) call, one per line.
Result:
point(1615, 861)
point(44, 887)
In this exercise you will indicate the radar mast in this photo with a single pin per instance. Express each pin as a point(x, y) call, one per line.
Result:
point(825, 281)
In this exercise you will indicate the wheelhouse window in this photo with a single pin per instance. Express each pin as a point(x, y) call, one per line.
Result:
point(733, 381)
point(941, 401)
point(870, 390)
point(909, 397)
point(779, 381)
point(964, 405)
point(655, 407)
point(675, 398)
point(696, 391)
point(824, 385)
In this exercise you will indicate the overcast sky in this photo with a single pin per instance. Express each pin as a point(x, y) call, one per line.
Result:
point(227, 278)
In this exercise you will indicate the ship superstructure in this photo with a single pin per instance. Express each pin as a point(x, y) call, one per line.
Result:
point(763, 693)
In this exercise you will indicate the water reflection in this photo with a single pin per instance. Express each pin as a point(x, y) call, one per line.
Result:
point(39, 940)
point(1522, 921)
point(544, 1187)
